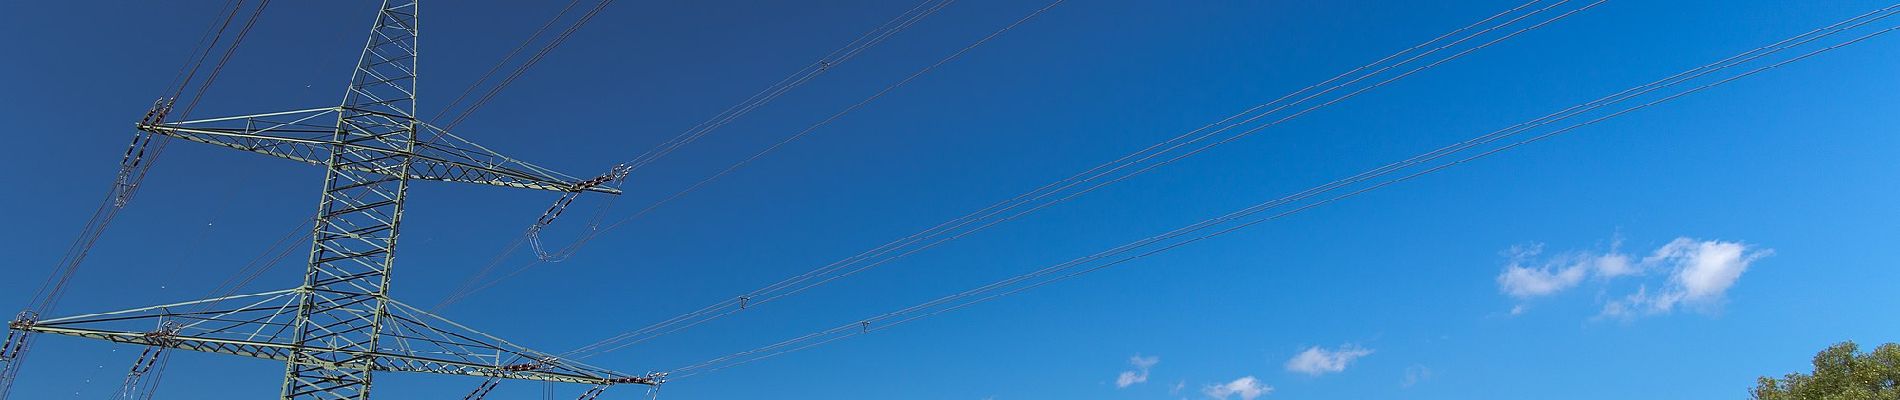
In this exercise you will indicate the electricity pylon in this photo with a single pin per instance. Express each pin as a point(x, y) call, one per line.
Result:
point(340, 325)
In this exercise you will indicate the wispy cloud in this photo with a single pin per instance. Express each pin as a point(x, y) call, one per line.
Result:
point(1700, 273)
point(1246, 388)
point(1526, 277)
point(1415, 374)
point(1139, 374)
point(1320, 361)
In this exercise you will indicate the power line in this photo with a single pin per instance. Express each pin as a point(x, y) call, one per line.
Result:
point(595, 228)
point(798, 78)
point(504, 59)
point(1157, 244)
point(137, 163)
point(525, 65)
point(134, 166)
point(836, 57)
point(1105, 174)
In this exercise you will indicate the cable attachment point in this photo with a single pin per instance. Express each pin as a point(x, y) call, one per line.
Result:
point(23, 320)
point(17, 335)
point(165, 334)
point(535, 365)
point(131, 164)
point(651, 378)
point(743, 300)
point(156, 115)
point(523, 367)
point(614, 175)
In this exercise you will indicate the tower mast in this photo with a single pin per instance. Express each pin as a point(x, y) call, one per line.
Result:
point(353, 247)
point(340, 326)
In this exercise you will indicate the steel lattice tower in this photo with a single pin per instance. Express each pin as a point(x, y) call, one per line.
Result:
point(340, 326)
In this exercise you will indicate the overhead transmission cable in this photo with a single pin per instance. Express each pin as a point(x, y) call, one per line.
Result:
point(1341, 189)
point(520, 69)
point(142, 381)
point(824, 64)
point(504, 60)
point(140, 155)
point(851, 50)
point(1351, 83)
point(139, 158)
point(857, 46)
point(527, 64)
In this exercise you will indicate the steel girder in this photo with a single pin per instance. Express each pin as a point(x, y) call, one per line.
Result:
point(340, 325)
point(339, 321)
point(307, 136)
point(260, 325)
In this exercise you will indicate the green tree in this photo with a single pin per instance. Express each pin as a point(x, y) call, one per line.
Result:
point(1840, 373)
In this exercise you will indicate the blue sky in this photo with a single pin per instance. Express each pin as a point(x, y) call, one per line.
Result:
point(1676, 252)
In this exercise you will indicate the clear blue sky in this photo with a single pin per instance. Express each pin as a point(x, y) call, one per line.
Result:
point(1424, 290)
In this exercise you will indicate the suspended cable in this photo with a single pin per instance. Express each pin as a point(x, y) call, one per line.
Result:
point(258, 265)
point(837, 57)
point(798, 78)
point(840, 56)
point(481, 391)
point(593, 393)
point(129, 187)
point(1113, 171)
point(1338, 190)
point(833, 117)
point(532, 234)
point(525, 65)
point(133, 169)
point(141, 382)
point(140, 155)
point(504, 60)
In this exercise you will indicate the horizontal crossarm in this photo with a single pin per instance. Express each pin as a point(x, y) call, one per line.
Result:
point(309, 136)
point(254, 325)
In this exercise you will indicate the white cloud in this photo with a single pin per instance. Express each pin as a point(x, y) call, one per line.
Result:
point(1614, 265)
point(1177, 387)
point(1527, 282)
point(1139, 374)
point(1319, 361)
point(1525, 278)
point(1247, 388)
point(1415, 374)
point(1700, 274)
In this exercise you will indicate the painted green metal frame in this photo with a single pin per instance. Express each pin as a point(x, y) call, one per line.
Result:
point(340, 326)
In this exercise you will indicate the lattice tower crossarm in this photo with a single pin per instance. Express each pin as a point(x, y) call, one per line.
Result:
point(340, 325)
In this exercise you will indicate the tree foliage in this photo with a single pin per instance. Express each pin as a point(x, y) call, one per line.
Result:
point(1840, 373)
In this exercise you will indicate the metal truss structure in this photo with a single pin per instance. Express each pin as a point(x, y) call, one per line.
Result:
point(340, 326)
